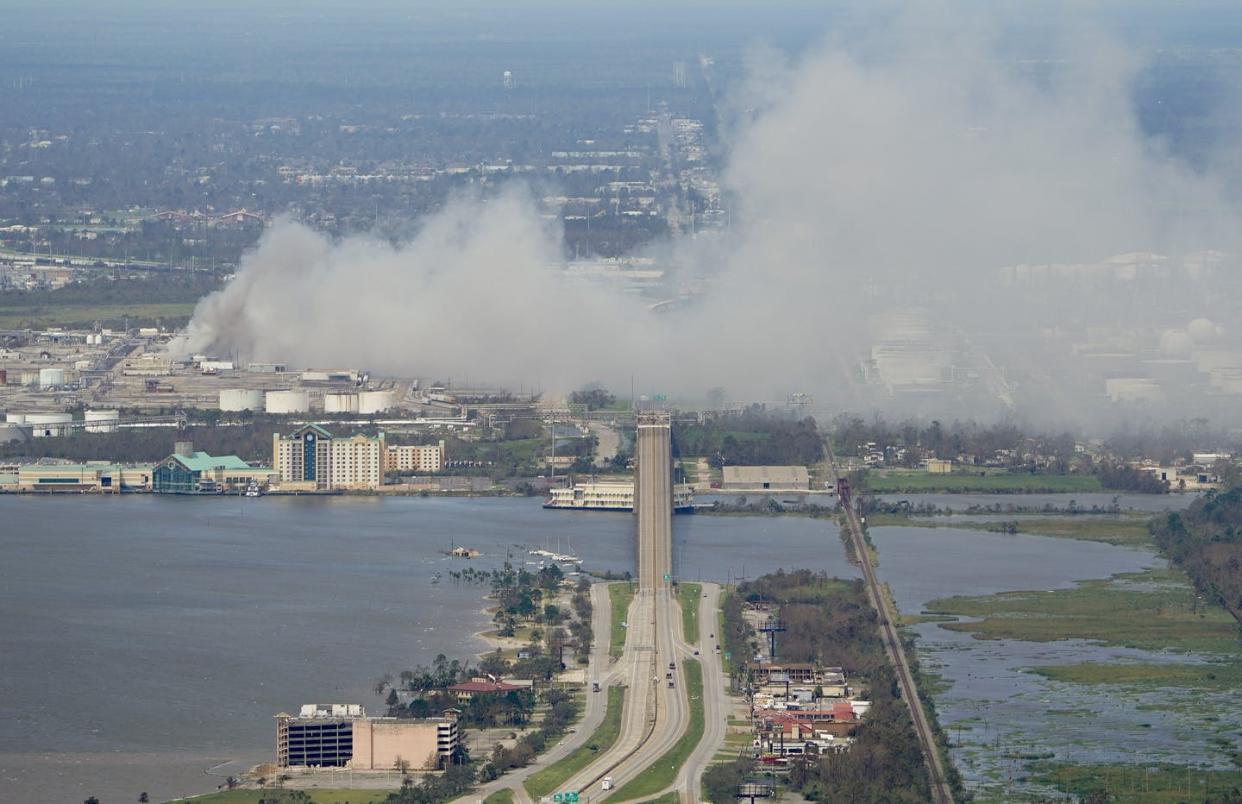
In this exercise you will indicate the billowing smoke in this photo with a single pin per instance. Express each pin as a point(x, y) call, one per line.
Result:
point(921, 171)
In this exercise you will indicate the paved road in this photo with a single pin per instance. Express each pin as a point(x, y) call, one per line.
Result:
point(941, 793)
point(599, 669)
point(655, 715)
point(715, 698)
point(609, 442)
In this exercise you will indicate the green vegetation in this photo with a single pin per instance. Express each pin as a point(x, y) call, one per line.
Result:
point(690, 595)
point(500, 797)
point(1148, 783)
point(167, 299)
point(895, 481)
point(1215, 676)
point(752, 438)
point(1206, 541)
point(84, 316)
point(667, 798)
point(597, 397)
point(664, 770)
point(1156, 610)
point(1122, 530)
point(563, 709)
point(620, 595)
point(550, 778)
point(721, 780)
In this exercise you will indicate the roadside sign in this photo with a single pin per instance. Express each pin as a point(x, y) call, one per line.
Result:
point(666, 576)
point(570, 797)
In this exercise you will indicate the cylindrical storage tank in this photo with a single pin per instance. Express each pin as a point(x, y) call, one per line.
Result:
point(15, 418)
point(374, 401)
point(46, 425)
point(340, 403)
point(240, 399)
point(287, 402)
point(4, 376)
point(102, 421)
point(29, 378)
point(51, 377)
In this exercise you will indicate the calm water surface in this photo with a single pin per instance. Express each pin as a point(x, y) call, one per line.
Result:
point(146, 639)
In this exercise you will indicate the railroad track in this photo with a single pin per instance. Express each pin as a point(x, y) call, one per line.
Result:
point(941, 792)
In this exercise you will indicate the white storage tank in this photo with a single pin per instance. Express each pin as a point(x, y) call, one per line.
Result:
point(240, 399)
point(15, 418)
point(340, 403)
point(102, 421)
point(48, 425)
point(51, 377)
point(287, 402)
point(374, 401)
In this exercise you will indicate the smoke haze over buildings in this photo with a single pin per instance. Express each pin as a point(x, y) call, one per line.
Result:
point(920, 219)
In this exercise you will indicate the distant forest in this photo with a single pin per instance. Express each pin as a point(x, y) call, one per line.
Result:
point(179, 288)
point(754, 438)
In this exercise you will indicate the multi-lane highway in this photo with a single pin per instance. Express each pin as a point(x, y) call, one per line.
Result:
point(655, 714)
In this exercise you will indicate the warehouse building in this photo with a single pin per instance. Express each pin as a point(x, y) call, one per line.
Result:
point(343, 736)
point(312, 459)
point(763, 478)
point(94, 476)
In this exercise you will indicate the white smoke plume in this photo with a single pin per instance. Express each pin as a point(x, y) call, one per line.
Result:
point(904, 171)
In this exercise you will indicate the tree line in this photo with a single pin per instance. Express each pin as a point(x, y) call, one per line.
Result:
point(753, 438)
point(1205, 540)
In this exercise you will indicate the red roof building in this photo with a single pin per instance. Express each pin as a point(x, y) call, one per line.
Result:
point(468, 689)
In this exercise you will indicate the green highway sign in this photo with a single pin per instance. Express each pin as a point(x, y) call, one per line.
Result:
point(566, 798)
point(666, 576)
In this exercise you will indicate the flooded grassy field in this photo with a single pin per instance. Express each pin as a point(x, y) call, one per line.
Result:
point(1065, 653)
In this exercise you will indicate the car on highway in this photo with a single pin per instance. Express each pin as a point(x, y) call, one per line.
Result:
point(595, 686)
point(606, 783)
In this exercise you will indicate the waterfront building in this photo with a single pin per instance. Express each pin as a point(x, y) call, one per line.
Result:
point(343, 736)
point(763, 478)
point(190, 472)
point(408, 458)
point(610, 496)
point(483, 686)
point(94, 476)
point(312, 459)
